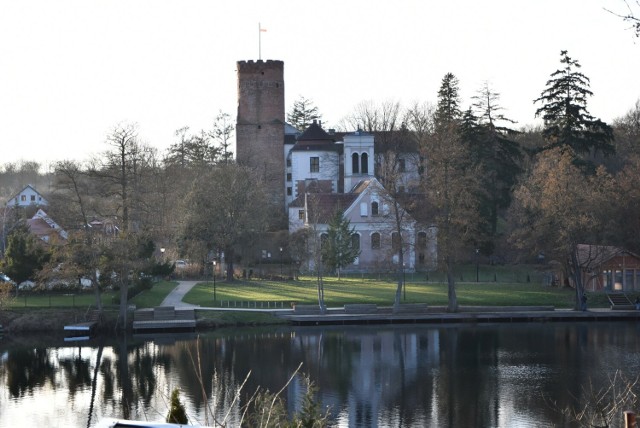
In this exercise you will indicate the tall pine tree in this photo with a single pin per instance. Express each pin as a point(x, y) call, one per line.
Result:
point(567, 122)
point(498, 155)
point(303, 113)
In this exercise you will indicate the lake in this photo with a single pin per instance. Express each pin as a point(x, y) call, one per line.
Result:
point(485, 375)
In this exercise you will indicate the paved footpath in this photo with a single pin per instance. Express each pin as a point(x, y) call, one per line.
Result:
point(175, 297)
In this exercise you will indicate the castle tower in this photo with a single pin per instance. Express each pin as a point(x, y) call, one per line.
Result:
point(260, 122)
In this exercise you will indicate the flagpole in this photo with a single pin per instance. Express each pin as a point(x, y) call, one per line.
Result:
point(259, 42)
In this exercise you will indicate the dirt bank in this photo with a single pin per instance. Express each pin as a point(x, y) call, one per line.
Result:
point(46, 320)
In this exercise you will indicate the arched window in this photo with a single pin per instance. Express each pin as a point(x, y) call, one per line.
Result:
point(355, 241)
point(374, 208)
point(364, 161)
point(375, 241)
point(355, 164)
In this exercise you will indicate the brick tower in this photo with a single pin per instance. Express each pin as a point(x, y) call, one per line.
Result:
point(260, 122)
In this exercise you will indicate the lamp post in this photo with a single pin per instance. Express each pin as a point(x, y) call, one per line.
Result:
point(280, 262)
point(404, 282)
point(214, 282)
point(477, 265)
point(162, 254)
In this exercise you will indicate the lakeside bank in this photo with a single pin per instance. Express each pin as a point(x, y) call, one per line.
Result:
point(16, 322)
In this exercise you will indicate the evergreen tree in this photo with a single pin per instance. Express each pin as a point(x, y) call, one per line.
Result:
point(303, 113)
point(338, 250)
point(448, 109)
point(24, 256)
point(223, 129)
point(498, 155)
point(567, 123)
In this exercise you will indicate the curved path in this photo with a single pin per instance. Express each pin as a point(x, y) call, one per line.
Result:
point(175, 297)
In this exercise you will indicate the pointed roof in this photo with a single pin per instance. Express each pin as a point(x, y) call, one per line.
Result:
point(595, 255)
point(28, 186)
point(317, 139)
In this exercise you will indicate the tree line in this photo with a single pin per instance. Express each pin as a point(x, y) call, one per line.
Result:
point(508, 194)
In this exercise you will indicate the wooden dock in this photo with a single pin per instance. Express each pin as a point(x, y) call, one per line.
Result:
point(164, 318)
point(439, 315)
point(87, 327)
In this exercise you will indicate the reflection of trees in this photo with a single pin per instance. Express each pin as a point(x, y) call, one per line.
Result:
point(397, 376)
point(28, 369)
point(77, 372)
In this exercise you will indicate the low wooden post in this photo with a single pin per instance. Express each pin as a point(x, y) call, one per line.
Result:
point(630, 419)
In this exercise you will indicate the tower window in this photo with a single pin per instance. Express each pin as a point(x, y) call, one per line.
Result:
point(355, 163)
point(288, 176)
point(314, 164)
point(289, 191)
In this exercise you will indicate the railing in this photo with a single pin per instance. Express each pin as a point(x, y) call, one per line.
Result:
point(249, 304)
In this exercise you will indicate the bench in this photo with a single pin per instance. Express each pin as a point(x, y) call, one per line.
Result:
point(164, 318)
point(306, 309)
point(360, 308)
point(410, 308)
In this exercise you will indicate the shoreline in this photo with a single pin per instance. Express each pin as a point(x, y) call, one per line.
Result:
point(16, 322)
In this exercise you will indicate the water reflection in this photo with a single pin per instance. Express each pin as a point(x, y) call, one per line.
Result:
point(486, 375)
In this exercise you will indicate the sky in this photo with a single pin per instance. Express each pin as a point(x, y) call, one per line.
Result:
point(72, 70)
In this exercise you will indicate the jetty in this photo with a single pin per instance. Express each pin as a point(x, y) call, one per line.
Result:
point(421, 314)
point(164, 318)
point(85, 328)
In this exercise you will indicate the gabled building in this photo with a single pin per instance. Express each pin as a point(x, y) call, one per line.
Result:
point(45, 228)
point(320, 172)
point(28, 196)
point(368, 210)
point(608, 268)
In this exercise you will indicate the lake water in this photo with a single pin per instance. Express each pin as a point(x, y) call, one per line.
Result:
point(498, 375)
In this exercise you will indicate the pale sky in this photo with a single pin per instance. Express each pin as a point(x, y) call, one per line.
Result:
point(70, 70)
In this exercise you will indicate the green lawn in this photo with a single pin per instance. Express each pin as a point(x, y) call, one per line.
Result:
point(381, 292)
point(154, 296)
point(58, 300)
point(354, 289)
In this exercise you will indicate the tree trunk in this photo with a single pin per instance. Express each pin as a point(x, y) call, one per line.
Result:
point(451, 290)
point(96, 290)
point(577, 279)
point(228, 258)
point(124, 288)
point(323, 308)
point(400, 271)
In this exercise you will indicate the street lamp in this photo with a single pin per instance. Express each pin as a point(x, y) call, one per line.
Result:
point(404, 282)
point(214, 282)
point(477, 265)
point(162, 254)
point(280, 262)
